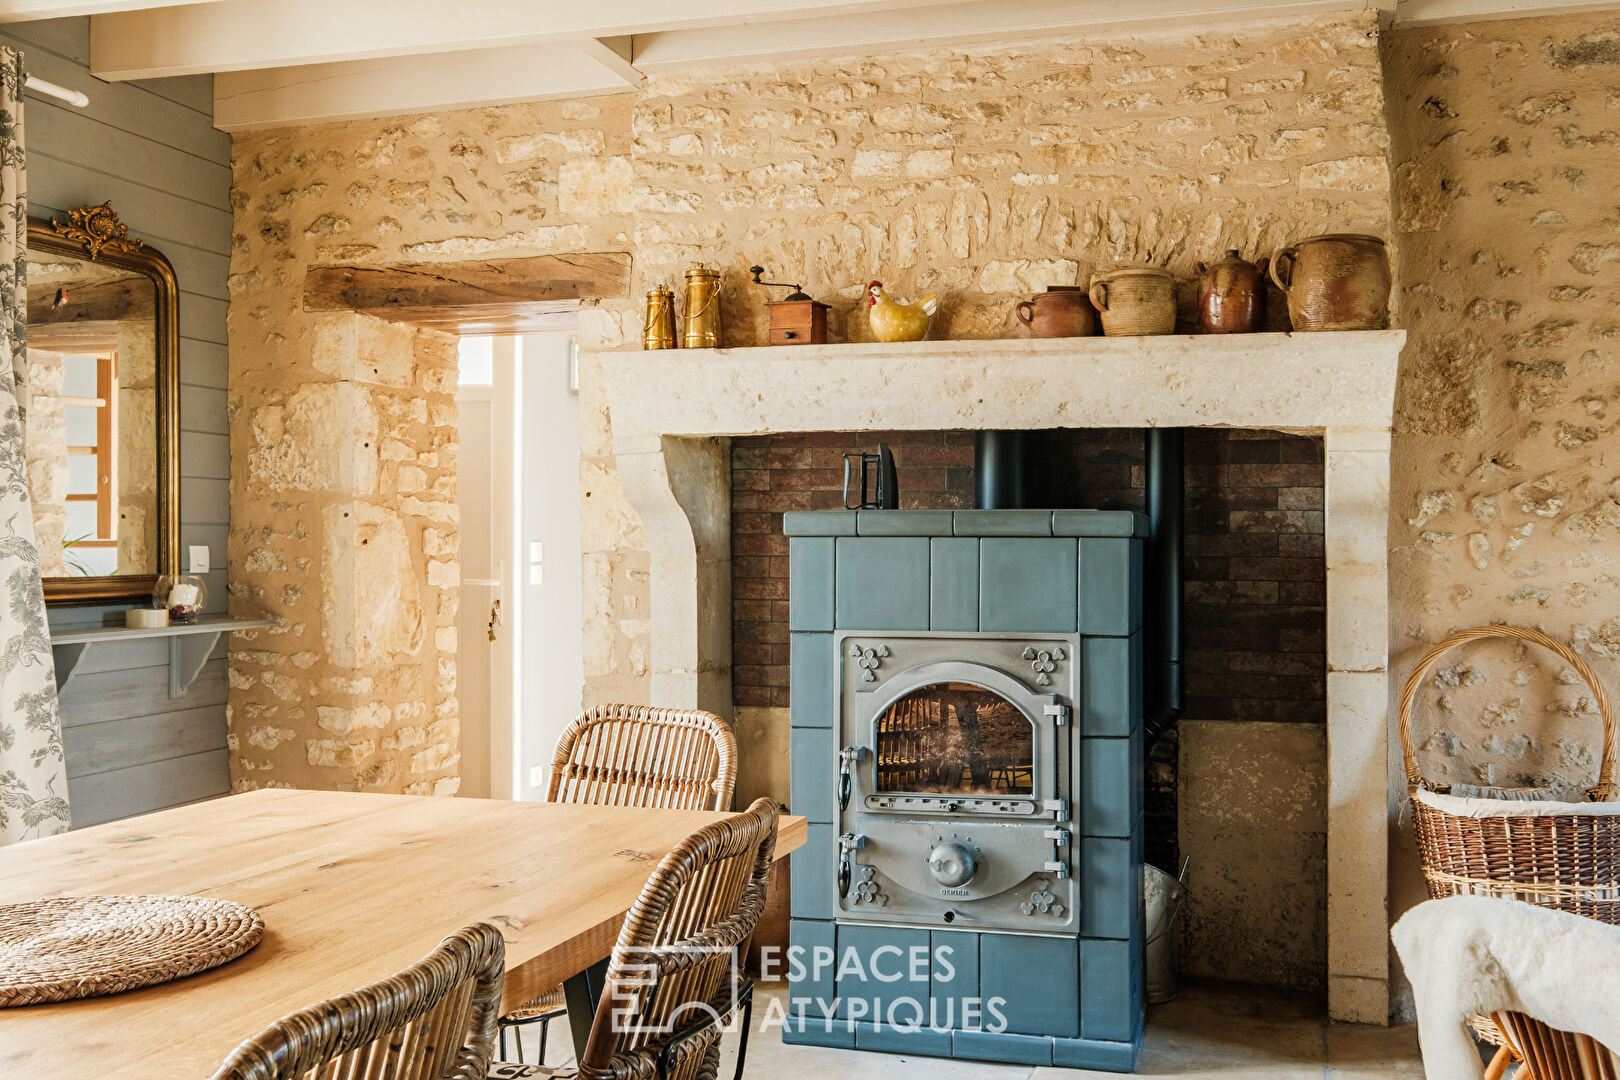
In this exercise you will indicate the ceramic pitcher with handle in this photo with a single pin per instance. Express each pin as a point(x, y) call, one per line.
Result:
point(1135, 301)
point(1339, 281)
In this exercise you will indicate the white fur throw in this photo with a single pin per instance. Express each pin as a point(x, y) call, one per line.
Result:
point(1472, 955)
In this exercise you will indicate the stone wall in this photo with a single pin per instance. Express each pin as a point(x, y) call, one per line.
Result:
point(344, 526)
point(137, 449)
point(1505, 500)
point(988, 172)
point(47, 457)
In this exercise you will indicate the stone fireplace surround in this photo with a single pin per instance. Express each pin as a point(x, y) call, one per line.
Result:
point(672, 414)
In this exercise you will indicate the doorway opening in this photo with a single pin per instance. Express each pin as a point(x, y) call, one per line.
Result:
point(521, 667)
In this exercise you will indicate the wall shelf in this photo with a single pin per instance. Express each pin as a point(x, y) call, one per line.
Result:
point(189, 645)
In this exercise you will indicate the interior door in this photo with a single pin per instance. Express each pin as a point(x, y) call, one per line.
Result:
point(487, 621)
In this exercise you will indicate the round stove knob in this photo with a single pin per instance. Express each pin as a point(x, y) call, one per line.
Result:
point(952, 864)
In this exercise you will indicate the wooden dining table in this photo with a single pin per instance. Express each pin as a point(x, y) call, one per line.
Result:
point(352, 888)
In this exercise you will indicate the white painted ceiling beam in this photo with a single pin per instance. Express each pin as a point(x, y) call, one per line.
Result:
point(30, 10)
point(241, 35)
point(1428, 12)
point(315, 93)
point(973, 20)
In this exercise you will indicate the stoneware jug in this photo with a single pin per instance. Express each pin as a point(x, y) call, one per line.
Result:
point(1060, 311)
point(1232, 295)
point(1135, 301)
point(1335, 282)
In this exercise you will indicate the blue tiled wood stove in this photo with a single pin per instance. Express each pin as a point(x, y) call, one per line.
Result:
point(967, 745)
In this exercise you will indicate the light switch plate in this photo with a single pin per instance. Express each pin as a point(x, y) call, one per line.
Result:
point(536, 550)
point(537, 776)
point(536, 574)
point(197, 556)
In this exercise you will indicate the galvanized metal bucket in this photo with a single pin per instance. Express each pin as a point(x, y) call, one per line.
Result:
point(1163, 896)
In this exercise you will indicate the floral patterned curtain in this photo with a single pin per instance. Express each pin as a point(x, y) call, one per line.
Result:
point(33, 776)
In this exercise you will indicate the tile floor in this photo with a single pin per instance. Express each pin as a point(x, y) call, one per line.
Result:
point(1211, 1030)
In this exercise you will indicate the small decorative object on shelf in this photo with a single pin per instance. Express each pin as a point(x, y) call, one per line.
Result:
point(1232, 295)
point(1135, 301)
point(183, 596)
point(152, 618)
point(1060, 311)
point(1339, 281)
point(796, 319)
point(659, 322)
point(899, 320)
point(700, 326)
point(879, 488)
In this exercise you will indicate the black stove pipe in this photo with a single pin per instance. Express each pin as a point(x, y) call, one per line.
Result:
point(1162, 581)
point(1000, 470)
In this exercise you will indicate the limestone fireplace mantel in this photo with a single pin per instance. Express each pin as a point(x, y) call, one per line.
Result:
point(671, 413)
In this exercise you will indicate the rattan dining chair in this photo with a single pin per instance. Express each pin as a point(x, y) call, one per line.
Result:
point(674, 980)
point(633, 755)
point(433, 1021)
point(1550, 1054)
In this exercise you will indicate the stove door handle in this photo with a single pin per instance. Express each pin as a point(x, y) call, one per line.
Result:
point(845, 872)
point(845, 786)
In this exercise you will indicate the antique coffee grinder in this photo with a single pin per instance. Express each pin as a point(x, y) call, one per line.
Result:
point(796, 319)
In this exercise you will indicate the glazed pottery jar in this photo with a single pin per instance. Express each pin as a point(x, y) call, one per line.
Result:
point(1339, 281)
point(1060, 311)
point(1135, 301)
point(1232, 295)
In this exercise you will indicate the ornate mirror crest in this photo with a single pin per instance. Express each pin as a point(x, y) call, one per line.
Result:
point(97, 227)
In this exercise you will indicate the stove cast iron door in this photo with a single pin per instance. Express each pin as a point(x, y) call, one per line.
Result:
point(954, 780)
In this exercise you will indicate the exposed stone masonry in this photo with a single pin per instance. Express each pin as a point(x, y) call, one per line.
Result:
point(1506, 504)
point(348, 460)
point(989, 172)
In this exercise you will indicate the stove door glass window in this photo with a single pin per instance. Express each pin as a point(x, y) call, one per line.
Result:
point(955, 739)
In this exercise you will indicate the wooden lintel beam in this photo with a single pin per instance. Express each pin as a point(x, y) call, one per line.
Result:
point(536, 317)
point(487, 296)
point(107, 301)
point(80, 338)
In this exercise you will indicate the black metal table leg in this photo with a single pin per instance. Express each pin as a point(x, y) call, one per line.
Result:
point(582, 992)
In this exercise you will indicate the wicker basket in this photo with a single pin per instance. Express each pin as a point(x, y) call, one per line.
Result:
point(1561, 861)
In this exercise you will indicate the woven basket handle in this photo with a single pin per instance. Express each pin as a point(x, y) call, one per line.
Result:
point(1603, 791)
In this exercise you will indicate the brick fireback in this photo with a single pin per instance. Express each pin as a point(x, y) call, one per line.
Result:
point(1255, 578)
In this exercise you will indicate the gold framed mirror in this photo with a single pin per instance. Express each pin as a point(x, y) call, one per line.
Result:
point(102, 431)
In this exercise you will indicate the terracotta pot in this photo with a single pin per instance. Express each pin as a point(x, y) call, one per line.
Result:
point(1135, 301)
point(1060, 311)
point(1232, 295)
point(1336, 282)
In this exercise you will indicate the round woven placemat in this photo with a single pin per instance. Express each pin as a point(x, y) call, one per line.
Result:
point(84, 946)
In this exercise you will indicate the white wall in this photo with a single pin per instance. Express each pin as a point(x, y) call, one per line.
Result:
point(552, 665)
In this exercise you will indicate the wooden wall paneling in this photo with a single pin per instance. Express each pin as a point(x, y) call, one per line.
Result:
point(141, 740)
point(204, 454)
point(112, 695)
point(138, 789)
point(150, 147)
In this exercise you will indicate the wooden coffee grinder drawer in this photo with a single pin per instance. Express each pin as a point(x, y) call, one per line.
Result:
point(798, 322)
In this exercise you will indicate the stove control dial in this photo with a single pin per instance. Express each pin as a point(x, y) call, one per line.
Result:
point(952, 864)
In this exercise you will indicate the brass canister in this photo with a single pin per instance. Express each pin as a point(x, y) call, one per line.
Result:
point(701, 323)
point(659, 322)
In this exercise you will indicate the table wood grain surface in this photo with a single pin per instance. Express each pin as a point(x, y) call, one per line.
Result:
point(352, 888)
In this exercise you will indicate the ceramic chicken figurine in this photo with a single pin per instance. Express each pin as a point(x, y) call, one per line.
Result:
point(897, 320)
